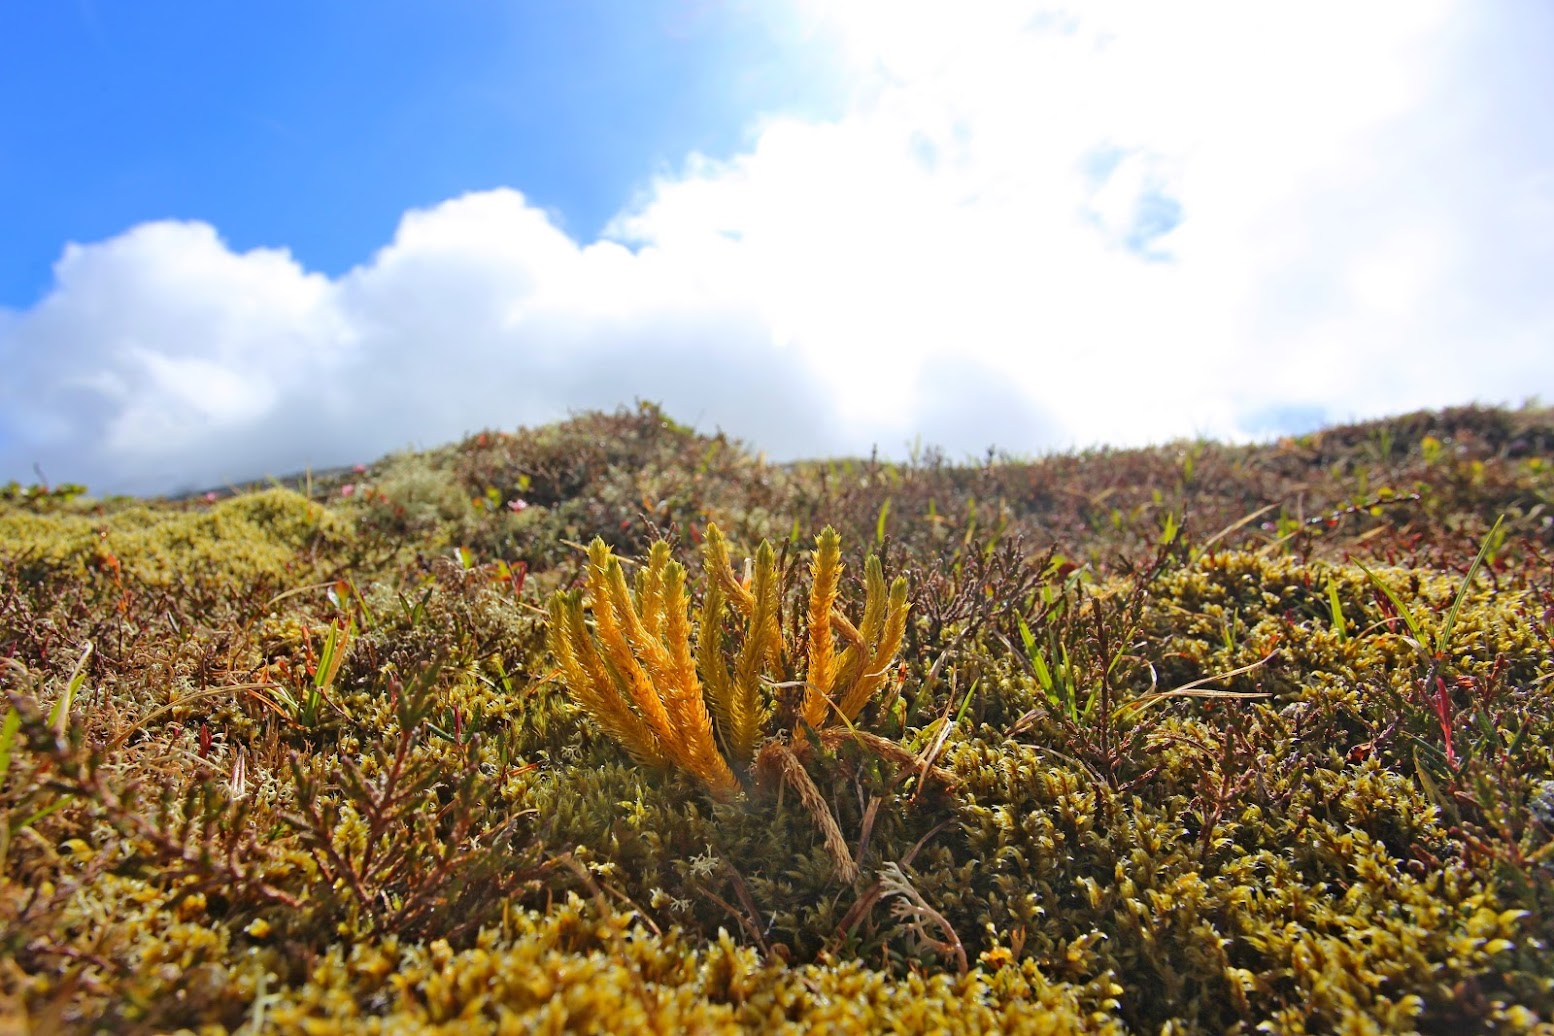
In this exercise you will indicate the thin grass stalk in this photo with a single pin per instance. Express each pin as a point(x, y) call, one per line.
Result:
point(792, 772)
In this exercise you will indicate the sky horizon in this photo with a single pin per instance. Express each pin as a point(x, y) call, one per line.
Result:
point(241, 243)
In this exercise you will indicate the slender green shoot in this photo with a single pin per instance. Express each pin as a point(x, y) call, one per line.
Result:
point(1437, 646)
point(8, 728)
point(1444, 641)
point(1337, 611)
point(59, 715)
point(1419, 639)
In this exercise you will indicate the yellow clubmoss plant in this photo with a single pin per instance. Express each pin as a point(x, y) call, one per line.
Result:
point(708, 710)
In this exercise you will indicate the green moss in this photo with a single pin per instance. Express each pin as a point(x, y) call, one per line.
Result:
point(1362, 842)
point(237, 542)
point(570, 970)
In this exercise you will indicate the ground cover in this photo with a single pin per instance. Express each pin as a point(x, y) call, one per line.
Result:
point(1198, 738)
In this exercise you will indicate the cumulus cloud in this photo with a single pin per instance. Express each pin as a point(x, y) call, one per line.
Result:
point(162, 360)
point(1032, 227)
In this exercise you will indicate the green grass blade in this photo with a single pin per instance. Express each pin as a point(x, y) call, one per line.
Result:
point(1397, 603)
point(1444, 641)
point(1038, 661)
point(966, 704)
point(8, 728)
point(52, 807)
point(1337, 611)
point(59, 715)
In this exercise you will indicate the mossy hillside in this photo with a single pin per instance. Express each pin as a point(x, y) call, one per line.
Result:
point(238, 541)
point(230, 828)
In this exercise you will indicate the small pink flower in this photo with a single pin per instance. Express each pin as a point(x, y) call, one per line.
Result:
point(360, 469)
point(348, 489)
point(210, 497)
point(517, 505)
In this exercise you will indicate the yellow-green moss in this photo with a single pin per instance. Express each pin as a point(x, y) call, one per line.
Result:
point(235, 542)
point(1366, 847)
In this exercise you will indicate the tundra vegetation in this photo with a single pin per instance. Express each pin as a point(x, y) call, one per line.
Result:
point(611, 726)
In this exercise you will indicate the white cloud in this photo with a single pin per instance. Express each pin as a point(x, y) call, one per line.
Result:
point(162, 360)
point(1033, 227)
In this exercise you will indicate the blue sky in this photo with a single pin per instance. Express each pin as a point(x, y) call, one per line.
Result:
point(241, 239)
point(316, 125)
